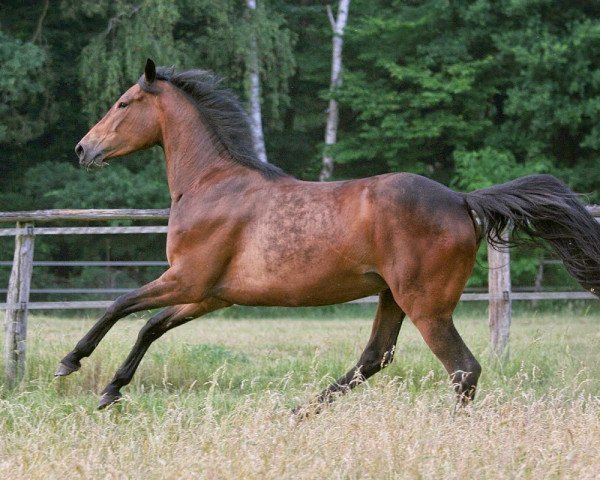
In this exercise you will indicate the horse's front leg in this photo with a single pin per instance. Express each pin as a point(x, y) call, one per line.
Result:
point(164, 291)
point(153, 329)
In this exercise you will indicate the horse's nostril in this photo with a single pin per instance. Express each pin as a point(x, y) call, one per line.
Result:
point(80, 151)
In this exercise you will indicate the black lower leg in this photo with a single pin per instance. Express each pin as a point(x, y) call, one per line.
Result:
point(84, 348)
point(465, 382)
point(372, 360)
point(378, 353)
point(446, 343)
point(152, 295)
point(151, 331)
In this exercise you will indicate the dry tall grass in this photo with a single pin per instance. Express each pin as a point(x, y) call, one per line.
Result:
point(212, 400)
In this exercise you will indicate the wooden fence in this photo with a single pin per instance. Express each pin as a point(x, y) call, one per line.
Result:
point(499, 296)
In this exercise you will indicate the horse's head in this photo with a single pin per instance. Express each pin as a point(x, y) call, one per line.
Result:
point(131, 124)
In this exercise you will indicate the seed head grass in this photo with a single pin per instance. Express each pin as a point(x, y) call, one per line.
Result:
point(212, 399)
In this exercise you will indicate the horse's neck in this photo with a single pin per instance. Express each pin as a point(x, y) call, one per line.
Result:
point(192, 157)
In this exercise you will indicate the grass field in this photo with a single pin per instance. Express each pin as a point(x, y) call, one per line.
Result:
point(212, 400)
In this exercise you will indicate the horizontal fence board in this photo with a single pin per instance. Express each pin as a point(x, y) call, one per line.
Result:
point(83, 263)
point(10, 232)
point(58, 305)
point(84, 215)
point(553, 296)
point(530, 296)
point(76, 291)
point(84, 304)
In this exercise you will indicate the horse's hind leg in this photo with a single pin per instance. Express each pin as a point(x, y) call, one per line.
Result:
point(378, 353)
point(153, 329)
point(162, 292)
point(445, 342)
point(430, 308)
point(428, 286)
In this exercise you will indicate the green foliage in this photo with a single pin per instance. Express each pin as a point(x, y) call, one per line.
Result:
point(276, 59)
point(114, 58)
point(216, 36)
point(427, 81)
point(488, 166)
point(296, 145)
point(417, 97)
point(22, 110)
point(117, 186)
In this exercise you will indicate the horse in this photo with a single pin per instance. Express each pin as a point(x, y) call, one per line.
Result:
point(243, 232)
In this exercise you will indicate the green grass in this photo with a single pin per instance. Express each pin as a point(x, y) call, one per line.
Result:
point(250, 350)
point(241, 370)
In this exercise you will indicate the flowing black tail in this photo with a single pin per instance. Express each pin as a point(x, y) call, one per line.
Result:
point(543, 208)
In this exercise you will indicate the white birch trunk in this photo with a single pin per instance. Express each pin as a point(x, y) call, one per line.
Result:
point(338, 25)
point(255, 113)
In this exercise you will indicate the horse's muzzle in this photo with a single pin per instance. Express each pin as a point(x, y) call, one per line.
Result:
point(90, 157)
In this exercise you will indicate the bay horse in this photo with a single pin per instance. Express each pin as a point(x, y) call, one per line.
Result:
point(243, 232)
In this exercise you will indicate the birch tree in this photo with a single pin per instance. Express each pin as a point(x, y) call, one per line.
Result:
point(338, 25)
point(253, 73)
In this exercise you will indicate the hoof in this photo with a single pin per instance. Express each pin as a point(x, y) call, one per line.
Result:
point(108, 399)
point(64, 370)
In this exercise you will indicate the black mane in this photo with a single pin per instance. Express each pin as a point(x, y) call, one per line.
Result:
point(222, 112)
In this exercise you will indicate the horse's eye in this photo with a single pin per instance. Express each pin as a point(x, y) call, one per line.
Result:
point(122, 104)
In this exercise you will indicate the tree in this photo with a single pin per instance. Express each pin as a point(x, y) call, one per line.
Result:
point(426, 80)
point(295, 143)
point(114, 58)
point(337, 25)
point(253, 80)
point(22, 88)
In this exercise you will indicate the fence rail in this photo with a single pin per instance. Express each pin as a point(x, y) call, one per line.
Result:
point(84, 215)
point(109, 263)
point(13, 232)
point(499, 296)
point(101, 304)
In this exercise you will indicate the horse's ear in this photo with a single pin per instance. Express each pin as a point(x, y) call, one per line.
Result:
point(150, 71)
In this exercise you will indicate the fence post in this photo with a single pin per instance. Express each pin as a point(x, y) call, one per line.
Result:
point(500, 303)
point(15, 323)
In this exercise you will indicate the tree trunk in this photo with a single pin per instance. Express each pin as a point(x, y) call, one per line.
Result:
point(253, 72)
point(37, 35)
point(338, 25)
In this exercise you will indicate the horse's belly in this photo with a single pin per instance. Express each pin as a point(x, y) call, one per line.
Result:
point(300, 289)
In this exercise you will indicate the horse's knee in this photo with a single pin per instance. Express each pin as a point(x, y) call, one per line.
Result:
point(116, 308)
point(150, 331)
